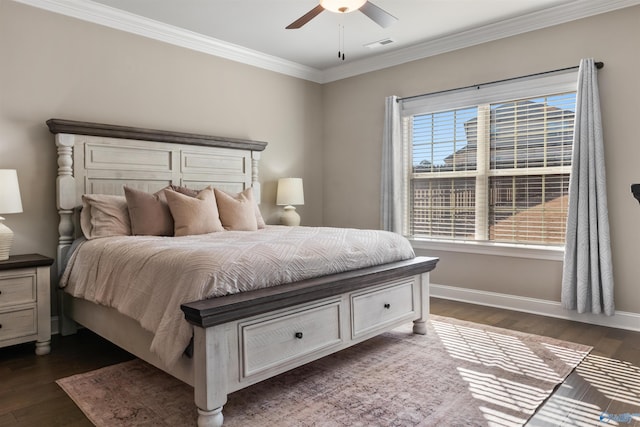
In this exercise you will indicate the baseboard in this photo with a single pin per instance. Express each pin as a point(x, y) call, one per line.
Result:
point(621, 319)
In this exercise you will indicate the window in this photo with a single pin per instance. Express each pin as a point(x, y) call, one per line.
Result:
point(491, 164)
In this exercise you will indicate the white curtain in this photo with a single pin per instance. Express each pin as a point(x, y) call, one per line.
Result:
point(587, 277)
point(391, 186)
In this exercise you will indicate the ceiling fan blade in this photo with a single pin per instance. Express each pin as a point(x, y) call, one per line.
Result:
point(305, 18)
point(378, 15)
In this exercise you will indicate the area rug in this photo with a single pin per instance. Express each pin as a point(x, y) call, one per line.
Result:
point(459, 374)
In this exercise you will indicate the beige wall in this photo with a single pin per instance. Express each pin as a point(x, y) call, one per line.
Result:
point(56, 66)
point(354, 110)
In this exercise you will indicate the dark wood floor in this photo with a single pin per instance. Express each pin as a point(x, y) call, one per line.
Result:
point(29, 395)
point(609, 380)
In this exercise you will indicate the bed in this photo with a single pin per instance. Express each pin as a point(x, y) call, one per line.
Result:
point(241, 338)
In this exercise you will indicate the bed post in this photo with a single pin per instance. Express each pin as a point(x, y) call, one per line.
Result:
point(210, 358)
point(420, 324)
point(65, 194)
point(255, 184)
point(66, 202)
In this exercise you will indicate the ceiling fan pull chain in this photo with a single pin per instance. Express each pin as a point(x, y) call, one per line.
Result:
point(341, 42)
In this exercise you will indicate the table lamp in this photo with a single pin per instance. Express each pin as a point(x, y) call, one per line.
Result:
point(290, 193)
point(10, 202)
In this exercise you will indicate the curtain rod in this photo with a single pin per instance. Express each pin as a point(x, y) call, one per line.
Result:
point(599, 65)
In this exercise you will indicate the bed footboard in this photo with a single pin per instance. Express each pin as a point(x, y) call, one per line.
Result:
point(245, 338)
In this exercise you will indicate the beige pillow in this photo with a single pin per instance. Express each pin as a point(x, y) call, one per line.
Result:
point(237, 212)
point(194, 215)
point(184, 190)
point(190, 192)
point(104, 215)
point(259, 219)
point(149, 213)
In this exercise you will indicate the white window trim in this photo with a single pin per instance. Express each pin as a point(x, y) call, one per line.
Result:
point(550, 253)
point(532, 86)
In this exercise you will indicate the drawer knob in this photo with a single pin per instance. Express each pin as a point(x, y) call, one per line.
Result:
point(387, 305)
point(299, 335)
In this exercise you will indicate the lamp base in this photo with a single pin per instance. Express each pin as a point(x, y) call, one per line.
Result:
point(290, 217)
point(6, 238)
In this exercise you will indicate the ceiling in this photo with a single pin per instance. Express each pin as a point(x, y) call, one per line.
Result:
point(253, 31)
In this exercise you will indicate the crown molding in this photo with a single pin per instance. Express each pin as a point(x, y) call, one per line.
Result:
point(97, 13)
point(535, 21)
point(114, 18)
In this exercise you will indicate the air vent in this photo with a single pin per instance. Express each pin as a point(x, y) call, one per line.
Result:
point(379, 43)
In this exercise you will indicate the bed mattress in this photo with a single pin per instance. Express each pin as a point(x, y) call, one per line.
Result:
point(147, 277)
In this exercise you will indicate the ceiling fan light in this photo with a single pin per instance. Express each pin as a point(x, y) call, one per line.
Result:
point(342, 6)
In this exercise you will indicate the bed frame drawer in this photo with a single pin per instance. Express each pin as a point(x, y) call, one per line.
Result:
point(374, 310)
point(275, 342)
point(16, 290)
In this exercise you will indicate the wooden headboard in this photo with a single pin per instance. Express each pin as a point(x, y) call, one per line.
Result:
point(96, 158)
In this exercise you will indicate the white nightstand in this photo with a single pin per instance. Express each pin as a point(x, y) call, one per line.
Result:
point(25, 301)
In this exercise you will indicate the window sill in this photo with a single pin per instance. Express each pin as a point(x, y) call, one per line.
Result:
point(551, 253)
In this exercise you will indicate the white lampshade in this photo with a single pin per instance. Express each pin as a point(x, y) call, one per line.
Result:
point(342, 6)
point(290, 193)
point(10, 202)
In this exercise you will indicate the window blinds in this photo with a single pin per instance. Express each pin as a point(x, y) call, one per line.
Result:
point(488, 163)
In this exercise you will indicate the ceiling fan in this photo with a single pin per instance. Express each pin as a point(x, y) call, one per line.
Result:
point(375, 13)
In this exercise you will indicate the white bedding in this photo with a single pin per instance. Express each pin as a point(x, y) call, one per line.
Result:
point(148, 277)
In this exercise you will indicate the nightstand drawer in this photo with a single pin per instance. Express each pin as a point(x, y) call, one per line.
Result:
point(25, 303)
point(17, 290)
point(278, 341)
point(377, 309)
point(18, 323)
